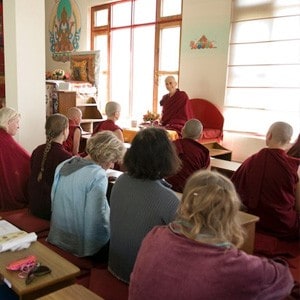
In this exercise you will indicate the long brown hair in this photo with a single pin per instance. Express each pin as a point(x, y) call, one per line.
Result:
point(55, 125)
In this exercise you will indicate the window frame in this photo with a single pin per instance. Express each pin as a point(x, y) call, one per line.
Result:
point(160, 23)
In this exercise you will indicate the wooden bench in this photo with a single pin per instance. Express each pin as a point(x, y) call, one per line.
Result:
point(225, 167)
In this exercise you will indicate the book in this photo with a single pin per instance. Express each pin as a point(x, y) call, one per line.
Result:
point(12, 238)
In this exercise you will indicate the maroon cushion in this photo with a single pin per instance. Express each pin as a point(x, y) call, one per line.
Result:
point(209, 133)
point(269, 246)
point(24, 220)
point(104, 284)
point(83, 263)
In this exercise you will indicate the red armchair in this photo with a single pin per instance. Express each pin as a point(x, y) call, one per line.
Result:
point(211, 119)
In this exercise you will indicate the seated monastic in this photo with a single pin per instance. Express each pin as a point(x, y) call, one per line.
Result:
point(72, 143)
point(193, 155)
point(112, 110)
point(268, 185)
point(14, 163)
point(176, 108)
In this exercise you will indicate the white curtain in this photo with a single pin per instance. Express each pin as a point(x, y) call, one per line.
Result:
point(263, 73)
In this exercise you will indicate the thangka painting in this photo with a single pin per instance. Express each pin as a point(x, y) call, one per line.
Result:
point(64, 29)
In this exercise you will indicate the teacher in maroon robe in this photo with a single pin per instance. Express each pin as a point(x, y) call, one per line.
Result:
point(268, 185)
point(175, 107)
point(14, 163)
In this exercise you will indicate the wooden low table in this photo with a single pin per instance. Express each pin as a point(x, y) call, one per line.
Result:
point(72, 292)
point(130, 133)
point(248, 222)
point(224, 167)
point(62, 274)
point(218, 151)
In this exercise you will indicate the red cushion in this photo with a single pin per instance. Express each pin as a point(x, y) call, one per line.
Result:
point(209, 114)
point(269, 246)
point(209, 133)
point(104, 284)
point(83, 263)
point(24, 220)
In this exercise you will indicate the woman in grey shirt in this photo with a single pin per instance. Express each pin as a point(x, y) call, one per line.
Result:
point(140, 198)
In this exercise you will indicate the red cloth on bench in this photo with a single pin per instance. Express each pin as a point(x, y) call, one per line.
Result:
point(270, 246)
point(26, 221)
point(104, 284)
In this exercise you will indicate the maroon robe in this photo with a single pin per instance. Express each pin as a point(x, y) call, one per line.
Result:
point(295, 149)
point(176, 111)
point(39, 193)
point(106, 125)
point(171, 266)
point(14, 173)
point(266, 183)
point(194, 157)
point(68, 144)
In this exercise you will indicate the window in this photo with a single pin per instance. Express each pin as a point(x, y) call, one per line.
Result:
point(139, 43)
point(263, 74)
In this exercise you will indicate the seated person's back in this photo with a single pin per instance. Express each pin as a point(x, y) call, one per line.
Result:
point(112, 110)
point(72, 143)
point(193, 155)
point(267, 183)
point(295, 149)
point(139, 200)
point(14, 163)
point(80, 211)
point(196, 256)
point(44, 160)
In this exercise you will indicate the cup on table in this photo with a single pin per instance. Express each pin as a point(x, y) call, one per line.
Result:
point(133, 123)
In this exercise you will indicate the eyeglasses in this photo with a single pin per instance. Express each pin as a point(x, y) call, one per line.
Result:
point(26, 268)
point(37, 271)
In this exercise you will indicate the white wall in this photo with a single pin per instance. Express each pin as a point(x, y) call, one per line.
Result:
point(24, 50)
point(202, 72)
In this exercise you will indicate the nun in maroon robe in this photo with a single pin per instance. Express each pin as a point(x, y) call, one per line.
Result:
point(176, 108)
point(194, 157)
point(192, 154)
point(14, 163)
point(266, 183)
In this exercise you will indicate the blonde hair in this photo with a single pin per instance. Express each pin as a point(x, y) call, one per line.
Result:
point(55, 125)
point(210, 205)
point(6, 115)
point(192, 129)
point(112, 107)
point(281, 132)
point(105, 147)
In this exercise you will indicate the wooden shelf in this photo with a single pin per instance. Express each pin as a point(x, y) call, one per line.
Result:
point(90, 113)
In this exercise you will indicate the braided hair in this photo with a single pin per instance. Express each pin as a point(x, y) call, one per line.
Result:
point(55, 125)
